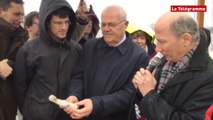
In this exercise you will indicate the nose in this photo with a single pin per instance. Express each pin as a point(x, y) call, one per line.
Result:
point(139, 40)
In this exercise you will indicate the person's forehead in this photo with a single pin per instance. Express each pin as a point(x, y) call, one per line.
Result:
point(56, 17)
point(110, 18)
point(14, 5)
point(16, 8)
point(110, 14)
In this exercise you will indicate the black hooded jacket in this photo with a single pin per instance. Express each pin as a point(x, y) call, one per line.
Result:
point(44, 67)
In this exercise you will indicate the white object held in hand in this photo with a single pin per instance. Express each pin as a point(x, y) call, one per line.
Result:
point(62, 103)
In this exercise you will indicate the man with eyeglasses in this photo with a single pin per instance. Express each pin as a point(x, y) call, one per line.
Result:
point(103, 89)
point(12, 37)
point(45, 65)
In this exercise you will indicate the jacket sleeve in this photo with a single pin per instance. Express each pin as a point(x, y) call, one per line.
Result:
point(20, 77)
point(76, 83)
point(194, 107)
point(79, 30)
point(123, 98)
point(113, 103)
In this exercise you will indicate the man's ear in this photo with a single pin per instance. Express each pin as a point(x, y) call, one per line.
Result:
point(187, 39)
point(126, 23)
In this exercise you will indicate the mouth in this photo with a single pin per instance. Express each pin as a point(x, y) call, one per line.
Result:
point(107, 35)
point(62, 33)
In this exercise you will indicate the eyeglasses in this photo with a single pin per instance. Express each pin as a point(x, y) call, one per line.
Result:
point(60, 23)
point(35, 23)
point(111, 24)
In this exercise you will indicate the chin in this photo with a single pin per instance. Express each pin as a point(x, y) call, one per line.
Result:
point(62, 37)
point(170, 59)
point(107, 40)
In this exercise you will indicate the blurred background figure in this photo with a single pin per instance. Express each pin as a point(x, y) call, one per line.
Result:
point(92, 28)
point(143, 38)
point(205, 32)
point(31, 24)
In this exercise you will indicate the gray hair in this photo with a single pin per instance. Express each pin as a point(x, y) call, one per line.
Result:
point(185, 24)
point(122, 12)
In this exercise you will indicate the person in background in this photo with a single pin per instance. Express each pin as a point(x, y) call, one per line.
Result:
point(182, 85)
point(31, 24)
point(103, 87)
point(146, 41)
point(92, 28)
point(143, 39)
point(82, 20)
point(206, 33)
point(12, 37)
point(45, 65)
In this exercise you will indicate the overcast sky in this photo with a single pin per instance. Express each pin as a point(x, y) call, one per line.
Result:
point(144, 12)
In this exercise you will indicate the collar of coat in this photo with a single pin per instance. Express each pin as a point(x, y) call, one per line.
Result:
point(6, 27)
point(122, 48)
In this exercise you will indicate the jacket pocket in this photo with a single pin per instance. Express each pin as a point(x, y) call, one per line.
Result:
point(37, 108)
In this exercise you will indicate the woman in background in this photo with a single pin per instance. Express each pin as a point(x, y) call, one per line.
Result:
point(143, 39)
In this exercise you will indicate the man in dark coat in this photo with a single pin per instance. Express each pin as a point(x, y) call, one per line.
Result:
point(183, 83)
point(104, 89)
point(12, 37)
point(44, 65)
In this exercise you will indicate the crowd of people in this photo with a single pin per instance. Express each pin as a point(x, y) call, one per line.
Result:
point(57, 52)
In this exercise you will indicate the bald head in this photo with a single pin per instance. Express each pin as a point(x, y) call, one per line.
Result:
point(116, 10)
point(166, 19)
point(178, 23)
point(171, 16)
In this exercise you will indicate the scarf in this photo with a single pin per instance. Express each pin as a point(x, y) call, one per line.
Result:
point(171, 68)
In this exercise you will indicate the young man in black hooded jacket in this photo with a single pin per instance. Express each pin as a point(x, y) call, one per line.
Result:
point(44, 66)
